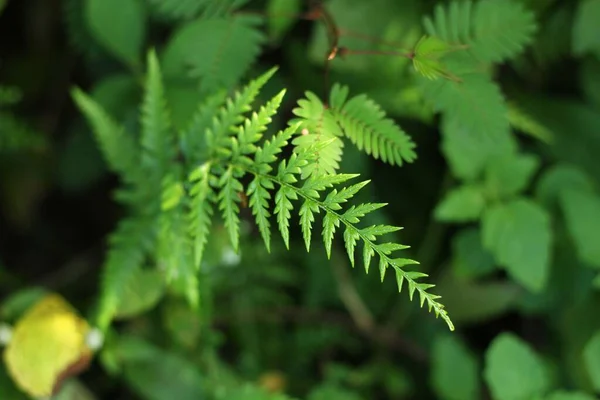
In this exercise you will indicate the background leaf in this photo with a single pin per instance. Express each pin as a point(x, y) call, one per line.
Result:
point(519, 236)
point(513, 370)
point(122, 33)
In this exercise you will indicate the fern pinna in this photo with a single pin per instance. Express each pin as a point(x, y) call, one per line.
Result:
point(176, 181)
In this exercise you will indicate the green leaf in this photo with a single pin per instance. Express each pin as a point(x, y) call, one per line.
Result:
point(455, 371)
point(141, 293)
point(591, 356)
point(519, 236)
point(513, 371)
point(585, 29)
point(558, 179)
point(468, 151)
point(582, 213)
point(120, 26)
point(510, 174)
point(470, 259)
point(462, 204)
point(426, 57)
point(564, 395)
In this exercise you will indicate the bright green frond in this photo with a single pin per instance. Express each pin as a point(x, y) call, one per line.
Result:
point(201, 209)
point(366, 125)
point(157, 140)
point(193, 138)
point(224, 123)
point(318, 125)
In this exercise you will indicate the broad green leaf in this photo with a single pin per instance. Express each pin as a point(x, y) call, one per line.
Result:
point(558, 179)
point(141, 294)
point(564, 395)
point(585, 29)
point(120, 26)
point(510, 174)
point(519, 236)
point(591, 356)
point(468, 151)
point(582, 215)
point(462, 204)
point(513, 371)
point(470, 259)
point(455, 370)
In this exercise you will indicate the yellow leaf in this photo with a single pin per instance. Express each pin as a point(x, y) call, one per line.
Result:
point(48, 345)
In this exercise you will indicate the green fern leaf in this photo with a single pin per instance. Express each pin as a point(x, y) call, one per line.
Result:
point(307, 217)
point(125, 258)
point(193, 138)
point(367, 127)
point(330, 223)
point(494, 30)
point(317, 126)
point(351, 236)
point(228, 198)
point(157, 141)
point(258, 190)
point(224, 125)
point(201, 210)
point(354, 213)
point(229, 46)
point(119, 149)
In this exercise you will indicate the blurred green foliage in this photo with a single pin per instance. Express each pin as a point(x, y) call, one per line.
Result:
point(501, 205)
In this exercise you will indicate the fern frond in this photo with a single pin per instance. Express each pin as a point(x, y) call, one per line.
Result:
point(201, 209)
point(495, 30)
point(224, 124)
point(174, 251)
point(229, 46)
point(318, 125)
point(126, 255)
point(157, 141)
point(229, 198)
point(193, 138)
point(333, 219)
point(119, 149)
